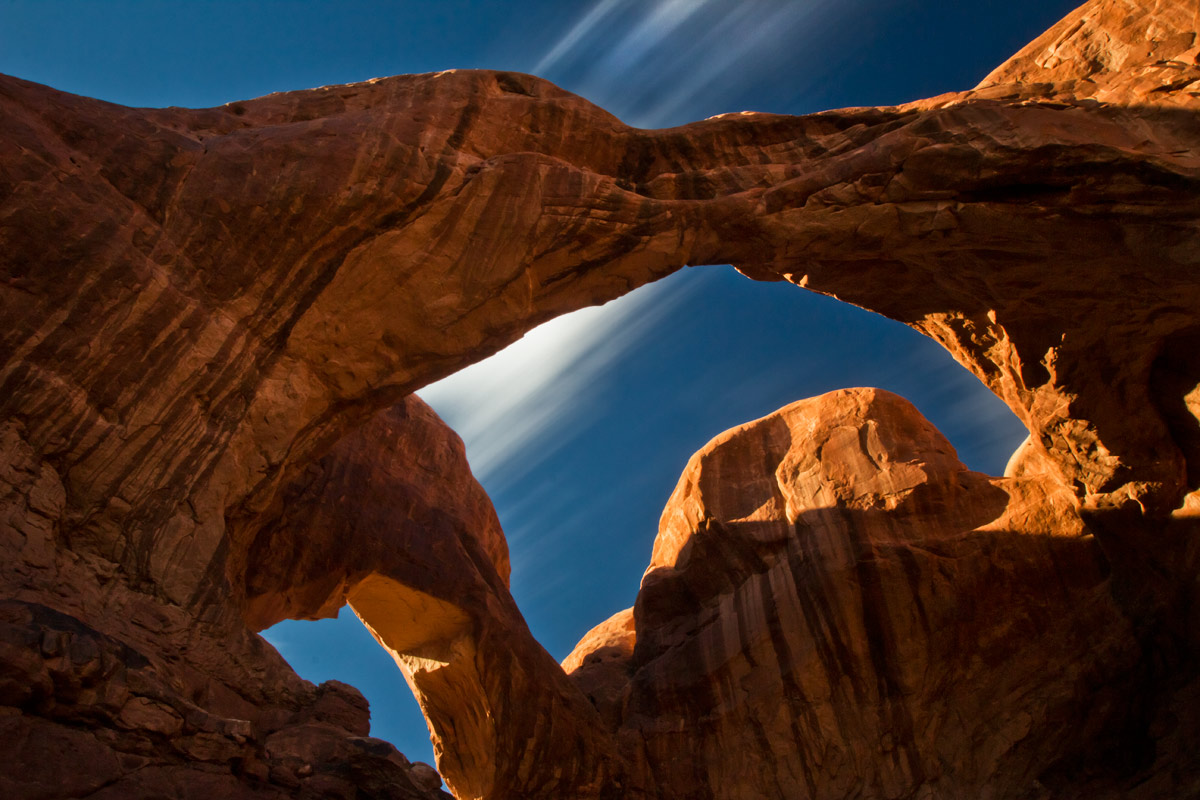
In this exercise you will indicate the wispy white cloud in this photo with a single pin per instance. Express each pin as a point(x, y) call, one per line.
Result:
point(508, 407)
point(658, 62)
point(278, 641)
point(716, 58)
point(586, 25)
point(663, 19)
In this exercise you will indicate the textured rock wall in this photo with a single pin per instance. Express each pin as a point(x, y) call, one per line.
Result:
point(392, 522)
point(198, 304)
point(108, 691)
point(836, 607)
point(176, 357)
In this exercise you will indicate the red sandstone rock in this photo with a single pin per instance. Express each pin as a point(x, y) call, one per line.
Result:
point(201, 714)
point(172, 369)
point(392, 522)
point(187, 705)
point(836, 607)
point(599, 665)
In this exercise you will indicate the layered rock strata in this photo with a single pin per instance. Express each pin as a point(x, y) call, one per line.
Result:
point(108, 691)
point(199, 304)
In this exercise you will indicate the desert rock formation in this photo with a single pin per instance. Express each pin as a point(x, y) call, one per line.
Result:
point(151, 700)
point(203, 308)
point(836, 607)
point(392, 522)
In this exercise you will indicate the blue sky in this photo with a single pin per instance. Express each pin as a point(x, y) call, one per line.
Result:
point(580, 430)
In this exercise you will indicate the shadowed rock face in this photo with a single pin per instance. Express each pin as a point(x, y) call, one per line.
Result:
point(392, 522)
point(199, 304)
point(107, 691)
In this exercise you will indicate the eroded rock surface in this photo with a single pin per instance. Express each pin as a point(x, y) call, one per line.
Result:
point(836, 607)
point(198, 304)
point(211, 713)
point(111, 692)
point(392, 522)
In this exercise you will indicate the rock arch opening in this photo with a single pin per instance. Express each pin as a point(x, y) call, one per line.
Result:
point(617, 418)
point(174, 372)
point(677, 362)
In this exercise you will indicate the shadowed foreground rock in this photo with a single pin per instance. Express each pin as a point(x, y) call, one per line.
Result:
point(392, 521)
point(199, 304)
point(153, 702)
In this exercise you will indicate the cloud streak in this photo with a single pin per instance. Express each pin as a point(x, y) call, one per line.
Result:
point(578, 33)
point(664, 62)
point(508, 407)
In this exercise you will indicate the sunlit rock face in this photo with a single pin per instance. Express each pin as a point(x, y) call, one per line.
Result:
point(836, 607)
point(199, 305)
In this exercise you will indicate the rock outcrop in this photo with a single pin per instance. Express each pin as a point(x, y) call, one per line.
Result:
point(836, 607)
point(107, 691)
point(392, 522)
point(199, 304)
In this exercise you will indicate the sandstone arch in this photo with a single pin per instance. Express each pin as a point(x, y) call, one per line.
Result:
point(172, 365)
